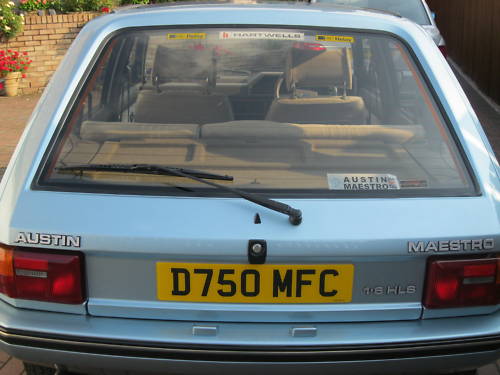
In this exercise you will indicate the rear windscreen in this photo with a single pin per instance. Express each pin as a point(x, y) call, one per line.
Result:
point(282, 111)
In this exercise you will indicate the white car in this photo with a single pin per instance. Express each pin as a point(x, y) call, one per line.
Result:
point(416, 10)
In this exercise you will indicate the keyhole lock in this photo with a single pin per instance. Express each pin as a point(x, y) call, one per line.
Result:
point(257, 251)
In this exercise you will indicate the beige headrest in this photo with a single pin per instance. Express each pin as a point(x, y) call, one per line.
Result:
point(328, 69)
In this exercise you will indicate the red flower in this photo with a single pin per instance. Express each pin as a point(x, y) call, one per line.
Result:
point(105, 10)
point(23, 75)
point(13, 61)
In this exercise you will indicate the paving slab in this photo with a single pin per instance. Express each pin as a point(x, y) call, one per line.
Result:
point(493, 369)
point(12, 366)
point(14, 113)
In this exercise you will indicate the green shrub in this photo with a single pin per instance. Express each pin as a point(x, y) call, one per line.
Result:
point(86, 5)
point(97, 5)
point(73, 5)
point(33, 5)
point(10, 23)
point(55, 4)
point(30, 5)
point(127, 2)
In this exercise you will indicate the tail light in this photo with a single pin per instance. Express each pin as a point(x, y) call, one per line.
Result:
point(443, 50)
point(462, 283)
point(41, 275)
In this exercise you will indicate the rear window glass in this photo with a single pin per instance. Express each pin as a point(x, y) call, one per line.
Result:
point(283, 111)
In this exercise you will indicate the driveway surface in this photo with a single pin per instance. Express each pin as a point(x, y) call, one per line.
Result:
point(14, 112)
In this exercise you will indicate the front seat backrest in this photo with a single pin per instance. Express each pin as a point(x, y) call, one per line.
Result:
point(181, 94)
point(182, 108)
point(328, 72)
point(181, 65)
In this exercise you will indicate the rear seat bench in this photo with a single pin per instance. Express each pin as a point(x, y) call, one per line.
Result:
point(242, 143)
point(244, 130)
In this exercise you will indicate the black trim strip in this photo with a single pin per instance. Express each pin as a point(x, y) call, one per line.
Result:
point(252, 353)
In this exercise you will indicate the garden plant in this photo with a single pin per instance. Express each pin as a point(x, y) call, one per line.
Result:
point(13, 67)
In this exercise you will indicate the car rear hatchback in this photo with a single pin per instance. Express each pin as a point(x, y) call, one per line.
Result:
point(195, 193)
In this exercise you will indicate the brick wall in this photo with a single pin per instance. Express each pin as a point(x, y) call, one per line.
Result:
point(46, 39)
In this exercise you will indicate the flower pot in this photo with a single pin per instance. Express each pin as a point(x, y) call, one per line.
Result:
point(11, 82)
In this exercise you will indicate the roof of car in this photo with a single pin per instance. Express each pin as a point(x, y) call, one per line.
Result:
point(245, 13)
point(250, 3)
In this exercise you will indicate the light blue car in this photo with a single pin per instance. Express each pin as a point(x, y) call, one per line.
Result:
point(251, 188)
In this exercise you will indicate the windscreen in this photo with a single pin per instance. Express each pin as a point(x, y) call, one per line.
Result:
point(283, 111)
point(411, 9)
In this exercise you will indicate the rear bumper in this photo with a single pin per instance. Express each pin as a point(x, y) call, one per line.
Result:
point(219, 353)
point(94, 344)
point(145, 360)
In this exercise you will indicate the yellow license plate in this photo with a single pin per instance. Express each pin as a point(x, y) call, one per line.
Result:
point(267, 283)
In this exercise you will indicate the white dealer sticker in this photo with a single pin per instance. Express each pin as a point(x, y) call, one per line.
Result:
point(278, 35)
point(362, 181)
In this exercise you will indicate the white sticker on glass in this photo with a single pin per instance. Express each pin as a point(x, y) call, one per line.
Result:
point(362, 181)
point(273, 35)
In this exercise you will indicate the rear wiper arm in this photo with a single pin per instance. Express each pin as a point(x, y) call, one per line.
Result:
point(146, 169)
point(294, 215)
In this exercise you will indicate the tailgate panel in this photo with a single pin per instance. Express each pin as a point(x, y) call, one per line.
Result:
point(124, 237)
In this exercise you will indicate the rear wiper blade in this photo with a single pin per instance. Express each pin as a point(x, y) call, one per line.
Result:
point(146, 169)
point(294, 215)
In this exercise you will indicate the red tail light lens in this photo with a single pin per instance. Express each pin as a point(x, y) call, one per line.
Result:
point(462, 283)
point(41, 276)
point(6, 270)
